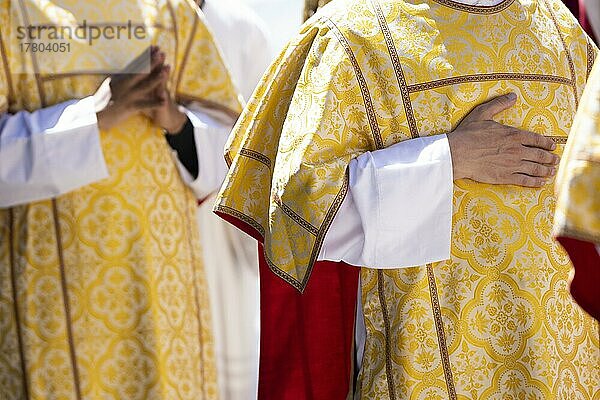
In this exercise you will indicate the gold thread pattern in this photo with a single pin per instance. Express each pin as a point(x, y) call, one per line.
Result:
point(441, 335)
point(414, 133)
point(476, 9)
point(103, 280)
point(503, 319)
point(577, 213)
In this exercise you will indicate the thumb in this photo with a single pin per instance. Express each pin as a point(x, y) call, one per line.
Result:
point(488, 110)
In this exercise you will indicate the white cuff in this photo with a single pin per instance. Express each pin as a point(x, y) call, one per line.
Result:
point(49, 152)
point(210, 133)
point(398, 212)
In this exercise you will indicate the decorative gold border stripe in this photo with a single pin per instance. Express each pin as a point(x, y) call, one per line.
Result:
point(36, 69)
point(296, 217)
point(66, 302)
point(242, 217)
point(300, 286)
point(558, 139)
point(456, 80)
point(389, 40)
point(566, 49)
point(7, 73)
point(475, 9)
point(439, 327)
point(389, 368)
point(255, 155)
point(337, 203)
point(13, 279)
point(364, 88)
point(591, 58)
point(186, 55)
point(173, 16)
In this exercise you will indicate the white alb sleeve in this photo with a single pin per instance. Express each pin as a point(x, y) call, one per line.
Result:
point(211, 130)
point(398, 210)
point(49, 152)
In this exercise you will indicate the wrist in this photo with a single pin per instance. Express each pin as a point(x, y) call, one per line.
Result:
point(106, 118)
point(176, 122)
point(456, 153)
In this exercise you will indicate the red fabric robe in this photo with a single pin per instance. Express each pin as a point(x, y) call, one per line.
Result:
point(311, 334)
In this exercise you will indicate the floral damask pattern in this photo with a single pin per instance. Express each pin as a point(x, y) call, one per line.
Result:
point(102, 291)
point(579, 176)
point(496, 320)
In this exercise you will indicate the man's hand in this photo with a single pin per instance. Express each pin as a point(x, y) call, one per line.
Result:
point(169, 114)
point(489, 152)
point(123, 95)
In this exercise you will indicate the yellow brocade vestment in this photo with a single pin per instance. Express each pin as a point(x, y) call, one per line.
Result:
point(102, 291)
point(496, 321)
point(578, 208)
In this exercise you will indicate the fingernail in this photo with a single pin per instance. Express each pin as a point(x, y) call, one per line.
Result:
point(512, 96)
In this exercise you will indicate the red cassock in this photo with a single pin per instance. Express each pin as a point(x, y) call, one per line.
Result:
point(306, 339)
point(585, 286)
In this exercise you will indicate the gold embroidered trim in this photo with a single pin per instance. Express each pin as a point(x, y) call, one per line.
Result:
point(569, 58)
point(337, 203)
point(420, 87)
point(296, 217)
point(439, 327)
point(36, 69)
point(7, 74)
point(320, 232)
point(66, 302)
point(412, 123)
point(389, 369)
point(13, 280)
point(188, 48)
point(362, 83)
point(475, 9)
point(242, 217)
point(591, 58)
point(300, 286)
point(255, 155)
point(173, 15)
point(228, 159)
point(558, 139)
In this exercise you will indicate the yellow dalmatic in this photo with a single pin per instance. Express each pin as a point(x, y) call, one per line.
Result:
point(578, 209)
point(577, 219)
point(496, 321)
point(102, 291)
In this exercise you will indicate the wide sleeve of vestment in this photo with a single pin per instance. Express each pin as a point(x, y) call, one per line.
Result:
point(377, 226)
point(49, 152)
point(291, 150)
